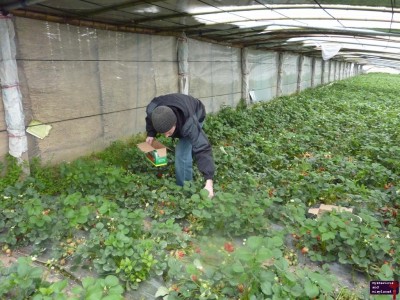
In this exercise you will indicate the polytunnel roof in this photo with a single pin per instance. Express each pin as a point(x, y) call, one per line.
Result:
point(361, 31)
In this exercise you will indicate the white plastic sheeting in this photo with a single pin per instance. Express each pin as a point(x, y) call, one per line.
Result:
point(332, 71)
point(14, 113)
point(329, 50)
point(317, 72)
point(215, 74)
point(325, 74)
point(92, 85)
point(289, 73)
point(306, 73)
point(263, 74)
point(245, 76)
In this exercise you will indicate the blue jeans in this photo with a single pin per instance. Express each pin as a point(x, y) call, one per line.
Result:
point(183, 161)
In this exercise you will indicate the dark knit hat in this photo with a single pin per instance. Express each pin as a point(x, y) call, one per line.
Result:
point(163, 119)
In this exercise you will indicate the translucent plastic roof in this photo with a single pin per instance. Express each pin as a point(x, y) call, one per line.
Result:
point(362, 31)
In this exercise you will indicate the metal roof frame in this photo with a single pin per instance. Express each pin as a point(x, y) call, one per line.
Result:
point(262, 24)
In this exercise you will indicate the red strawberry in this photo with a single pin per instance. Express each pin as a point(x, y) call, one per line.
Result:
point(180, 254)
point(229, 247)
point(240, 288)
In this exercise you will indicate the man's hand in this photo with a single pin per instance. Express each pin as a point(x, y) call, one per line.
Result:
point(209, 188)
point(149, 140)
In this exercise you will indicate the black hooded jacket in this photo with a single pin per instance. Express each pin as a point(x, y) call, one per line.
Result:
point(190, 112)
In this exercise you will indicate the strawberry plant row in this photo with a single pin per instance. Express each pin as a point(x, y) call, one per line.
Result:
point(112, 214)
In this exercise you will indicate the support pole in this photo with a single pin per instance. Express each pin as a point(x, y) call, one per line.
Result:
point(245, 76)
point(183, 65)
point(12, 99)
point(279, 74)
point(330, 71)
point(313, 72)
point(300, 72)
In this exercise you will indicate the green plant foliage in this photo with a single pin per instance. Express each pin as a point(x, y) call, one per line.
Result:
point(23, 281)
point(10, 172)
point(359, 238)
point(114, 214)
point(256, 269)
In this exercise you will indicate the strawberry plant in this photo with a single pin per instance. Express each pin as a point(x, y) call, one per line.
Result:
point(22, 280)
point(229, 214)
point(169, 235)
point(28, 221)
point(10, 172)
point(358, 236)
point(256, 270)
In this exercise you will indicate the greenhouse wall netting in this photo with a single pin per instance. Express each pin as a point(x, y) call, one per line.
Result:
point(92, 86)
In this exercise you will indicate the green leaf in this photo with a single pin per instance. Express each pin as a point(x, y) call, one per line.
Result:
point(35, 273)
point(296, 291)
point(237, 267)
point(321, 281)
point(84, 210)
point(281, 264)
point(69, 213)
point(116, 290)
point(266, 288)
point(44, 291)
point(263, 254)
point(204, 194)
point(59, 285)
point(277, 241)
point(266, 276)
point(87, 281)
point(289, 276)
point(129, 252)
point(111, 280)
point(311, 289)
point(161, 292)
point(325, 285)
point(94, 294)
point(254, 242)
point(277, 253)
point(197, 264)
point(362, 253)
point(387, 272)
point(77, 290)
point(113, 297)
point(243, 254)
point(343, 260)
point(327, 236)
point(195, 197)
point(333, 224)
point(196, 213)
point(190, 268)
point(22, 268)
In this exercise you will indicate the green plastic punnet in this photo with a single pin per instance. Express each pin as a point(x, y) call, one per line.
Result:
point(156, 153)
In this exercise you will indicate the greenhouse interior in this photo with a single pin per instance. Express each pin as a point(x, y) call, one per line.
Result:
point(296, 128)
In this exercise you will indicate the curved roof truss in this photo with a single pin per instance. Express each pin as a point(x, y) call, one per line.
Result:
point(363, 31)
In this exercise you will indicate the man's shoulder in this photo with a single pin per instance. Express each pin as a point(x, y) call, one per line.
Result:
point(177, 100)
point(175, 96)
